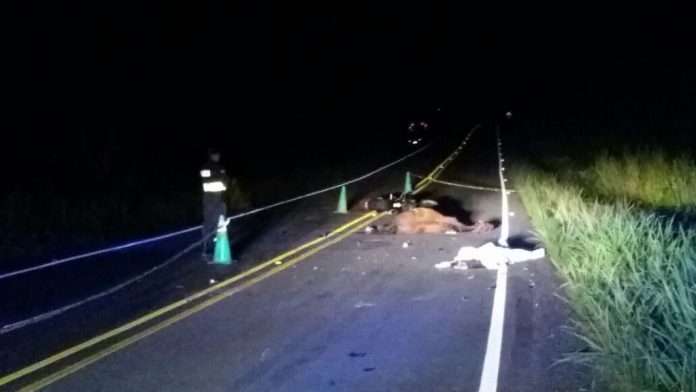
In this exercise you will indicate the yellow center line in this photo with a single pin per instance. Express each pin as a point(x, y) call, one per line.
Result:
point(150, 316)
point(349, 228)
point(423, 183)
point(164, 324)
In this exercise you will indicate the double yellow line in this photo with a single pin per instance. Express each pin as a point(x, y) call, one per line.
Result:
point(333, 237)
point(278, 264)
point(281, 261)
point(433, 175)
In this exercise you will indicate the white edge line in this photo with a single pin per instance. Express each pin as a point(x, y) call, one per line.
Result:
point(491, 363)
point(494, 346)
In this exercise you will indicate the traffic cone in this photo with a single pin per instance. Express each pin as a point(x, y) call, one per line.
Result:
point(408, 188)
point(223, 254)
point(342, 203)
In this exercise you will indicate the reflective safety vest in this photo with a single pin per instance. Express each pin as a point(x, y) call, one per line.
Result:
point(214, 178)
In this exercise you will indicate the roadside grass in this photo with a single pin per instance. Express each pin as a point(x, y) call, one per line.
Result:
point(630, 272)
point(651, 178)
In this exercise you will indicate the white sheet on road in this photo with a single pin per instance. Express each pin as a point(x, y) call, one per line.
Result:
point(490, 256)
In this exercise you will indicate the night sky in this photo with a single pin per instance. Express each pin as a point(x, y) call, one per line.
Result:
point(98, 81)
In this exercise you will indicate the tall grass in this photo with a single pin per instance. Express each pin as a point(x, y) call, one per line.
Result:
point(631, 275)
point(648, 177)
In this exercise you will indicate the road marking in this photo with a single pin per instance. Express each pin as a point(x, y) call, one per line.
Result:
point(420, 185)
point(467, 186)
point(504, 212)
point(351, 226)
point(164, 324)
point(494, 347)
point(150, 316)
point(491, 363)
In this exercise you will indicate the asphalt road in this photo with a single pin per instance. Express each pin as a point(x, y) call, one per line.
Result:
point(364, 314)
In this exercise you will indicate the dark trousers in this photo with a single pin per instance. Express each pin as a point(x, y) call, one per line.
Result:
point(213, 207)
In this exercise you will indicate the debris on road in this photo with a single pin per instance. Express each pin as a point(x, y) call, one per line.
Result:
point(362, 304)
point(406, 244)
point(461, 266)
point(354, 354)
point(264, 354)
point(489, 256)
point(452, 264)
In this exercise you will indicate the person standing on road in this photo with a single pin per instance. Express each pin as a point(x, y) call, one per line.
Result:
point(215, 182)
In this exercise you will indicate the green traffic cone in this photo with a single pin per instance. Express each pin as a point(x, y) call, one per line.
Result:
point(223, 254)
point(342, 203)
point(408, 188)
